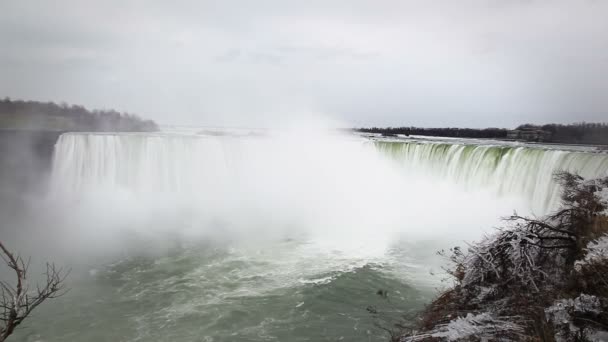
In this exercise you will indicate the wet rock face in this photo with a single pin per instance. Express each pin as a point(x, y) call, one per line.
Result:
point(25, 156)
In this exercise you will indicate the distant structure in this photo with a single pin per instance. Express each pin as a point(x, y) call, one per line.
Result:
point(529, 134)
point(585, 133)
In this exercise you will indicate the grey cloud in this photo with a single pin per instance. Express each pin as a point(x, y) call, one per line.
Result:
point(457, 63)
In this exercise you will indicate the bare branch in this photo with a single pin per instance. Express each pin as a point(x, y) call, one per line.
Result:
point(17, 302)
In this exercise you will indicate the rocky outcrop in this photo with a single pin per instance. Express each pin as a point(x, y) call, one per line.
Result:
point(537, 279)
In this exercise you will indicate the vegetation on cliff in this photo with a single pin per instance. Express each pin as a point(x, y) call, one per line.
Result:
point(537, 279)
point(49, 116)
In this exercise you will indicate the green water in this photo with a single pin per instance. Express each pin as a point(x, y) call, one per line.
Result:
point(343, 204)
point(199, 292)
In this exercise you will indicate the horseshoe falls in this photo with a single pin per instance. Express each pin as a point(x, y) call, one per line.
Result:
point(203, 165)
point(276, 237)
point(524, 171)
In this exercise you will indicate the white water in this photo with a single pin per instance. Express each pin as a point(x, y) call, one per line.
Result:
point(336, 190)
point(222, 168)
point(282, 237)
point(340, 193)
point(508, 171)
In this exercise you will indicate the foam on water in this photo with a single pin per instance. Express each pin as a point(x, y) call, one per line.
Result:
point(338, 191)
point(274, 237)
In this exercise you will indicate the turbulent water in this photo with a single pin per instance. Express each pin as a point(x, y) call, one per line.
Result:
point(286, 237)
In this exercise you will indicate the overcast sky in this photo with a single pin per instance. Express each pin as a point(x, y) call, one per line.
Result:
point(252, 63)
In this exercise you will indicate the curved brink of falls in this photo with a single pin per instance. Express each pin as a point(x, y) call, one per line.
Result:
point(505, 170)
point(193, 164)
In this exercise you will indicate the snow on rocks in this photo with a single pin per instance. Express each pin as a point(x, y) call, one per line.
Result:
point(564, 313)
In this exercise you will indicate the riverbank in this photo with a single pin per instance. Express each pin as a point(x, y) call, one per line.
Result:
point(536, 279)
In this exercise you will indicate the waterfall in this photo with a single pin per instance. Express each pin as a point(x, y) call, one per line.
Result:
point(139, 162)
point(506, 170)
point(228, 166)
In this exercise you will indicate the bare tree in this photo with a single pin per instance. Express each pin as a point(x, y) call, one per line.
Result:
point(17, 299)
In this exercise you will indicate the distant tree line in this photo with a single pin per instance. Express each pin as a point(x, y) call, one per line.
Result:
point(34, 115)
point(439, 132)
point(577, 133)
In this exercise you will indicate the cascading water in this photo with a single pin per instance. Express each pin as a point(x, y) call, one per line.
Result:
point(283, 237)
point(505, 170)
point(190, 164)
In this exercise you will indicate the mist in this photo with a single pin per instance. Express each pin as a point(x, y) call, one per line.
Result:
point(416, 63)
point(228, 194)
point(152, 193)
point(185, 222)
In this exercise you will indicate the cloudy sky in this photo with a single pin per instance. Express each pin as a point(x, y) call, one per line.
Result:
point(253, 63)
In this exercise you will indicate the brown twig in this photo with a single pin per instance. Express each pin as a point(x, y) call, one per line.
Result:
point(17, 302)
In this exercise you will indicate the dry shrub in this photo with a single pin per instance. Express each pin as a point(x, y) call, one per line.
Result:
point(525, 268)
